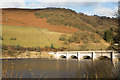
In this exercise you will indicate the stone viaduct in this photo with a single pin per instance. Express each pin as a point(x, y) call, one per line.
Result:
point(86, 54)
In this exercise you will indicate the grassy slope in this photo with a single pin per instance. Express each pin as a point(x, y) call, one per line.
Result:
point(81, 21)
point(90, 46)
point(37, 37)
point(63, 17)
point(29, 36)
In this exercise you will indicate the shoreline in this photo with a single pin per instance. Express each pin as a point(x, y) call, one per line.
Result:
point(25, 58)
point(55, 59)
point(27, 55)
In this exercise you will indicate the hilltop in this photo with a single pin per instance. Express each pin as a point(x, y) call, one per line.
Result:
point(26, 17)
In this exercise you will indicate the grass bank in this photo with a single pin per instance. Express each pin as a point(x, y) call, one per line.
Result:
point(30, 37)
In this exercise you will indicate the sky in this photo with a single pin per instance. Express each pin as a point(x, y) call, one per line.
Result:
point(89, 7)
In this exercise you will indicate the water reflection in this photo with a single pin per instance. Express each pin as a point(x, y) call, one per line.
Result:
point(96, 69)
point(48, 68)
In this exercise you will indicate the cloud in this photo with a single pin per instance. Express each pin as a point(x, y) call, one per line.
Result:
point(88, 13)
point(59, 0)
point(61, 4)
point(103, 11)
point(76, 0)
point(12, 3)
point(12, 0)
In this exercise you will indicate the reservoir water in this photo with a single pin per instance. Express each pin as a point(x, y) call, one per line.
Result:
point(50, 68)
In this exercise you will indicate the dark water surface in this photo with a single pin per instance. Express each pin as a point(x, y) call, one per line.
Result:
point(49, 68)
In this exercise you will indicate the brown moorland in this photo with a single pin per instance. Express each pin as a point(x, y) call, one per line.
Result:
point(27, 18)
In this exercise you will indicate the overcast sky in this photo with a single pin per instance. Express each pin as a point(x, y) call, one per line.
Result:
point(89, 7)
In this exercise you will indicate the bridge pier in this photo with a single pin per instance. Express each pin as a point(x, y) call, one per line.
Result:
point(111, 56)
point(114, 58)
point(78, 56)
point(93, 56)
point(113, 53)
point(67, 56)
point(57, 55)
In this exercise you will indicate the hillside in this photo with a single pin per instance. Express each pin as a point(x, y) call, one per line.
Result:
point(43, 27)
point(81, 21)
point(30, 37)
point(38, 37)
point(19, 17)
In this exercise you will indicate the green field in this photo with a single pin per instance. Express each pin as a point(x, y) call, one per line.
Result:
point(30, 37)
point(37, 37)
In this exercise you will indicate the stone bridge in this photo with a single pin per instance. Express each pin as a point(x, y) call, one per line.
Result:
point(86, 54)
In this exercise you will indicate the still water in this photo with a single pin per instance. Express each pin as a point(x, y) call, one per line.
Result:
point(50, 68)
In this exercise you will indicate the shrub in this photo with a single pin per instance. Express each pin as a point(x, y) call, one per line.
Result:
point(71, 39)
point(13, 38)
point(76, 38)
point(4, 47)
point(1, 38)
point(51, 56)
point(31, 49)
point(108, 36)
point(12, 52)
point(18, 47)
point(85, 37)
point(52, 46)
point(63, 37)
